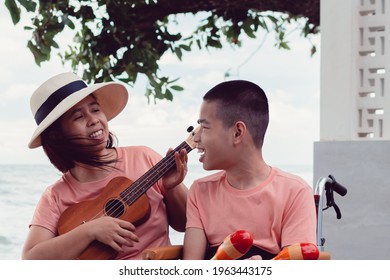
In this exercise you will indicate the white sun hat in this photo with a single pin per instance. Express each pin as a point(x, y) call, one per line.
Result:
point(61, 92)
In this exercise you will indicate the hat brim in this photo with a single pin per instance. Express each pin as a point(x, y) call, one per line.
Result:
point(111, 96)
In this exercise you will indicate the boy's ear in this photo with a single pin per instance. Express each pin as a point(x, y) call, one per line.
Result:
point(239, 129)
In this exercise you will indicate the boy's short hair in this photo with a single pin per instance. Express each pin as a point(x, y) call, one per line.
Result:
point(240, 100)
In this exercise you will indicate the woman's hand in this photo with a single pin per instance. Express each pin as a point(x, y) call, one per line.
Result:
point(113, 232)
point(176, 176)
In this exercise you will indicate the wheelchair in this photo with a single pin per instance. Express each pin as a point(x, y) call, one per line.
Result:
point(323, 193)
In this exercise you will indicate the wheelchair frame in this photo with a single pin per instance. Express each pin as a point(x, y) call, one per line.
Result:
point(324, 195)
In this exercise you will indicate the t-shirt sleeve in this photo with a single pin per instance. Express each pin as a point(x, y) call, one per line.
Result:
point(47, 212)
point(300, 219)
point(193, 215)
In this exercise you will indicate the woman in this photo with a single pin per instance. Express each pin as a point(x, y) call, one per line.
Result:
point(73, 130)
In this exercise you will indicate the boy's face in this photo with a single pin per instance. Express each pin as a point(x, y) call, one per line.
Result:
point(214, 141)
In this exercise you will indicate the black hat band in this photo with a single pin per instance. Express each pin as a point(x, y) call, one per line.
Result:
point(57, 96)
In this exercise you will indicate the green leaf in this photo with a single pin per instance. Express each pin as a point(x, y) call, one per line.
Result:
point(281, 35)
point(186, 47)
point(273, 19)
point(14, 10)
point(284, 45)
point(247, 28)
point(54, 44)
point(179, 53)
point(68, 22)
point(177, 88)
point(214, 43)
point(198, 42)
point(158, 94)
point(38, 55)
point(168, 95)
point(229, 32)
point(29, 5)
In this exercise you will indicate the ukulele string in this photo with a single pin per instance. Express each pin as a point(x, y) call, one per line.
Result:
point(140, 186)
point(130, 195)
point(137, 189)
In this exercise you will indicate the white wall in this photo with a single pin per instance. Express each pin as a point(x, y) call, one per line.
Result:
point(355, 54)
point(354, 141)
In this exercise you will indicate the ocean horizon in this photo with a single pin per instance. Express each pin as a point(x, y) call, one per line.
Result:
point(21, 187)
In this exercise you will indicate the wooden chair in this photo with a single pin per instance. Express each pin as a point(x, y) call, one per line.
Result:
point(173, 252)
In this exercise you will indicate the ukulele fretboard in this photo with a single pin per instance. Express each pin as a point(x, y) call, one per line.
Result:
point(140, 186)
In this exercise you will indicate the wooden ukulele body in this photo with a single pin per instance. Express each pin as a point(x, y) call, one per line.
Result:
point(108, 203)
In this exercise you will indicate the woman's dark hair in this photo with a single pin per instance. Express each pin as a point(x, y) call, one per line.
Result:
point(240, 100)
point(64, 153)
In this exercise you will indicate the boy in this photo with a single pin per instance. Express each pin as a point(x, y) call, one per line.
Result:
point(275, 206)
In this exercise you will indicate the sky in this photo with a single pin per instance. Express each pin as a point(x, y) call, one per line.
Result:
point(291, 80)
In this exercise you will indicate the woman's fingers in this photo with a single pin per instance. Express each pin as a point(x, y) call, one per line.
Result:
point(115, 232)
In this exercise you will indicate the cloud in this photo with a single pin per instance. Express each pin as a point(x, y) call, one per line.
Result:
point(19, 92)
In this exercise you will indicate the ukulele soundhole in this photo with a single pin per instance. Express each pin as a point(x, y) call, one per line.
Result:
point(114, 208)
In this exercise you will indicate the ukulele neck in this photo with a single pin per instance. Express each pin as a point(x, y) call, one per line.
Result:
point(140, 186)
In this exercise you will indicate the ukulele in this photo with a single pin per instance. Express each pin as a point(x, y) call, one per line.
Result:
point(122, 199)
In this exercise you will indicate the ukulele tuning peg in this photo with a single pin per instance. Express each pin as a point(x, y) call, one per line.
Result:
point(190, 128)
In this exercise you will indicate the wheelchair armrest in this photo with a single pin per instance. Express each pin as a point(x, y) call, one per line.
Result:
point(173, 252)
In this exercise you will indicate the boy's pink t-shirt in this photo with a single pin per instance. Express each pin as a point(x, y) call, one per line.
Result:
point(133, 163)
point(279, 212)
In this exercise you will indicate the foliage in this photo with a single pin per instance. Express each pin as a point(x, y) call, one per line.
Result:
point(119, 39)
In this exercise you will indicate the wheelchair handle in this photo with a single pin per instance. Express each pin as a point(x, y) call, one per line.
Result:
point(337, 187)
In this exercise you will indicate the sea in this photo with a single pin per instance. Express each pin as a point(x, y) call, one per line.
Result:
point(22, 185)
